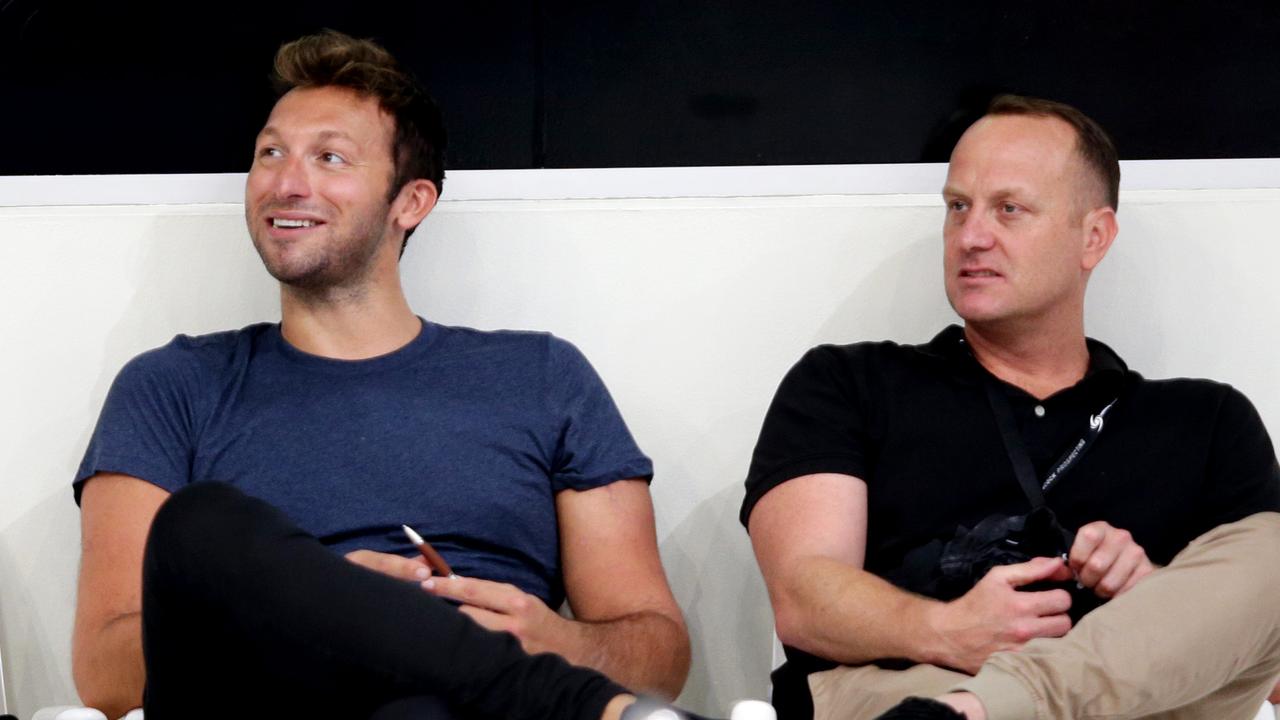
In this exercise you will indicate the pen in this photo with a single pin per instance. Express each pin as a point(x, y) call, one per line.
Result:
point(434, 561)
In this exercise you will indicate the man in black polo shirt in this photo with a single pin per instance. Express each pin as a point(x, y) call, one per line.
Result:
point(937, 520)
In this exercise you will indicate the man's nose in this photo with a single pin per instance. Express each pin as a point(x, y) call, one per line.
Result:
point(292, 178)
point(976, 231)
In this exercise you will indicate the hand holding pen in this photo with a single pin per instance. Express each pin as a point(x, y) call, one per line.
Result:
point(501, 607)
point(411, 569)
point(434, 560)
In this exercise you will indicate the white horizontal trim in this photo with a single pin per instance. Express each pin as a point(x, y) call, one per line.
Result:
point(1131, 199)
point(666, 182)
point(672, 182)
point(45, 190)
point(1233, 174)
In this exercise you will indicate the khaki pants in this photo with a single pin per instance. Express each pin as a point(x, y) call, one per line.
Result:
point(1197, 640)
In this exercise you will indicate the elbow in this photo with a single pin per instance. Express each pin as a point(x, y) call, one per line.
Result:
point(790, 627)
point(665, 678)
point(669, 682)
point(681, 659)
point(671, 676)
point(112, 685)
point(797, 617)
point(786, 629)
point(113, 701)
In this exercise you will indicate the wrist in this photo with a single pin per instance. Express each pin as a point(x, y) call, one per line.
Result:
point(572, 640)
point(931, 646)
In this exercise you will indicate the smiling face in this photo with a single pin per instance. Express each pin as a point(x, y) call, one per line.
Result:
point(316, 198)
point(1019, 235)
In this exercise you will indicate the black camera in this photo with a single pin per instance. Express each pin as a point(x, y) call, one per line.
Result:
point(1007, 540)
point(945, 571)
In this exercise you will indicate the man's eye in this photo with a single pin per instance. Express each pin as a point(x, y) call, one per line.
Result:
point(332, 158)
point(1008, 208)
point(269, 152)
point(958, 205)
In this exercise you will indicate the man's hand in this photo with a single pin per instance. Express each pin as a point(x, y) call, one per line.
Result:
point(1274, 699)
point(412, 569)
point(505, 608)
point(1106, 559)
point(995, 616)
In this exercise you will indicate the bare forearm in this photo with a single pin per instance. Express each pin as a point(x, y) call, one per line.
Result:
point(646, 651)
point(849, 615)
point(108, 667)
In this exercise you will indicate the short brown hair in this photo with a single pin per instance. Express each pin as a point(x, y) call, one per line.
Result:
point(1092, 142)
point(331, 58)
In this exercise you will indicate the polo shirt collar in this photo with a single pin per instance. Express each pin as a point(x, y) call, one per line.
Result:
point(950, 346)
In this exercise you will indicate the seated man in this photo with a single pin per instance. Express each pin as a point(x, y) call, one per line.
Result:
point(353, 416)
point(939, 520)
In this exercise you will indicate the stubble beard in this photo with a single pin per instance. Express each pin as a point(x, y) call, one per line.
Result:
point(336, 266)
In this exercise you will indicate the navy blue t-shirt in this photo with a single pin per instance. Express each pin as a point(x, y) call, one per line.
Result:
point(464, 435)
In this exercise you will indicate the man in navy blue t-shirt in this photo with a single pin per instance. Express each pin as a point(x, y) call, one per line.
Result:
point(353, 416)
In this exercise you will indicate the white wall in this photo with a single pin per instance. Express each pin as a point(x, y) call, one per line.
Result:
point(691, 309)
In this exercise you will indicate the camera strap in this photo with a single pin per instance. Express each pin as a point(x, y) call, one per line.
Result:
point(1022, 467)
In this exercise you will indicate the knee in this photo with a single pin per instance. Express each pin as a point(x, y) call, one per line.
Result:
point(1249, 548)
point(1266, 526)
point(1260, 535)
point(193, 521)
point(190, 513)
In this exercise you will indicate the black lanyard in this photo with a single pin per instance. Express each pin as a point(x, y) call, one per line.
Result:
point(1017, 450)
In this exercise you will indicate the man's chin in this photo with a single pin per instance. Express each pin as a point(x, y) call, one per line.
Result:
point(311, 277)
point(313, 267)
point(979, 310)
point(290, 267)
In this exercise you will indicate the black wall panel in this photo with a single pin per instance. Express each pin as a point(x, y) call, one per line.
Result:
point(145, 86)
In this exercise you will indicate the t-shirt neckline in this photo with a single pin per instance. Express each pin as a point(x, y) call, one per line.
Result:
point(407, 353)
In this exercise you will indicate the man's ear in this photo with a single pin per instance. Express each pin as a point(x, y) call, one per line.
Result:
point(1100, 230)
point(414, 201)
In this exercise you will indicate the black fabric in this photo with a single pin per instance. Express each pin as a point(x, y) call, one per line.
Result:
point(1178, 457)
point(245, 615)
point(914, 708)
point(1034, 487)
point(421, 707)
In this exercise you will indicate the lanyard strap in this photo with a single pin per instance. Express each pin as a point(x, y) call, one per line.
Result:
point(1022, 467)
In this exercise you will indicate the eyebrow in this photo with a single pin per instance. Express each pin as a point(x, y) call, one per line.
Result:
point(1004, 192)
point(323, 135)
point(337, 135)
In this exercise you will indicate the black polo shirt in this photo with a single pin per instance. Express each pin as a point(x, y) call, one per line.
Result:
point(1175, 458)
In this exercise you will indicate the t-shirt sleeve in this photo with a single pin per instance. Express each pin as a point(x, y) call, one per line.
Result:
point(1243, 476)
point(816, 424)
point(595, 447)
point(147, 425)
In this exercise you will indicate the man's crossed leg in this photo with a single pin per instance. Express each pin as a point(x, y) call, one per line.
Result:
point(1198, 639)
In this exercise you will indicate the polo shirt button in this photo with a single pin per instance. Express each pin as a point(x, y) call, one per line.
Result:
point(1039, 411)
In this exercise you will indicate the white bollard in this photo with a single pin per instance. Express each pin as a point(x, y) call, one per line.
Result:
point(81, 714)
point(753, 710)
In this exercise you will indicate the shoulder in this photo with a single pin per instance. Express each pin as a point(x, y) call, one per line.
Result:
point(458, 338)
point(194, 359)
point(1198, 393)
point(877, 362)
point(525, 345)
point(863, 353)
point(1208, 400)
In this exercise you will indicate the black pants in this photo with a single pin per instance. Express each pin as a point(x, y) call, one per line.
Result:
point(245, 615)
